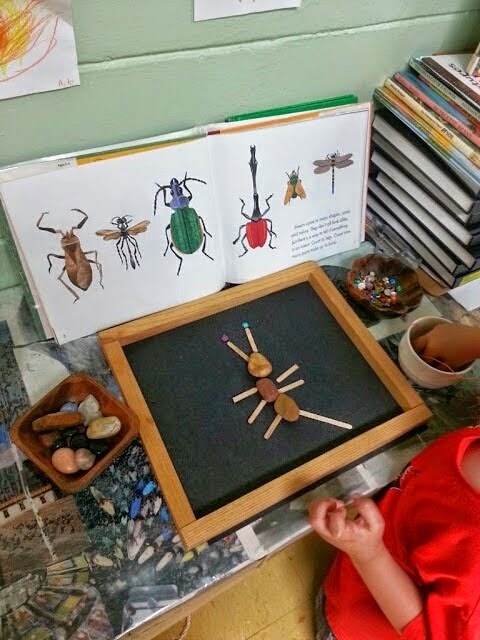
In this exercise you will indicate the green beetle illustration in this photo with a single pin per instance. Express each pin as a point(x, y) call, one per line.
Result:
point(186, 232)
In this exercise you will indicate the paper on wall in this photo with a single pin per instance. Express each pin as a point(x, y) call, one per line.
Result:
point(37, 47)
point(210, 9)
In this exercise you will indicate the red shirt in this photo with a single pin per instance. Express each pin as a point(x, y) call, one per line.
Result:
point(432, 529)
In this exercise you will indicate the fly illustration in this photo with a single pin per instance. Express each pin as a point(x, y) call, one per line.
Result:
point(127, 245)
point(294, 187)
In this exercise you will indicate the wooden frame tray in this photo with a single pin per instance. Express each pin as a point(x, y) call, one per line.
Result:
point(196, 526)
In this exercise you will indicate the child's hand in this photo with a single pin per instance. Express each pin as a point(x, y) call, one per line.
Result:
point(361, 539)
point(454, 345)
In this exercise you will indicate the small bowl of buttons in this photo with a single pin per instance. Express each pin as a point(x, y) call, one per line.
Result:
point(386, 286)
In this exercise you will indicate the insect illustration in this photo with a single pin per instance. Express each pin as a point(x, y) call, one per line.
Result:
point(333, 161)
point(75, 261)
point(258, 227)
point(186, 232)
point(285, 407)
point(124, 235)
point(294, 187)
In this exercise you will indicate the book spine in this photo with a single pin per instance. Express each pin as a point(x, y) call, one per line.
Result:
point(451, 157)
point(453, 81)
point(469, 277)
point(434, 122)
point(449, 105)
point(458, 111)
point(417, 93)
point(443, 146)
point(417, 156)
point(444, 91)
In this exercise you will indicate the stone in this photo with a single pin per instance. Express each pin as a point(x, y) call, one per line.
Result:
point(59, 442)
point(103, 428)
point(48, 439)
point(64, 461)
point(267, 389)
point(69, 407)
point(259, 366)
point(98, 447)
point(85, 459)
point(287, 408)
point(90, 409)
point(70, 432)
point(57, 421)
point(79, 441)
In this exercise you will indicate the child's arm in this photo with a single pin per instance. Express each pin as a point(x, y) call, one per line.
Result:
point(455, 345)
point(362, 539)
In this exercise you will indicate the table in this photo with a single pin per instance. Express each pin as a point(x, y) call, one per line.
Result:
point(86, 567)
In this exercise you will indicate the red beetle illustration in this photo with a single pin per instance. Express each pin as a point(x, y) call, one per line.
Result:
point(258, 228)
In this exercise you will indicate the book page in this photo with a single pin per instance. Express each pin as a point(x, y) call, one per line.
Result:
point(305, 211)
point(112, 259)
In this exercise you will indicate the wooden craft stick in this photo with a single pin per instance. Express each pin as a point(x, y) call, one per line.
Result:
point(316, 416)
point(234, 348)
point(245, 394)
point(292, 385)
point(287, 373)
point(272, 427)
point(257, 411)
point(250, 339)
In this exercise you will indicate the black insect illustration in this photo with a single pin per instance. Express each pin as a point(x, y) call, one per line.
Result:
point(258, 228)
point(75, 261)
point(333, 161)
point(124, 235)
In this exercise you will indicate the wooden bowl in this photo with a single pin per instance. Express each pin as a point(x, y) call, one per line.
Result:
point(408, 299)
point(75, 388)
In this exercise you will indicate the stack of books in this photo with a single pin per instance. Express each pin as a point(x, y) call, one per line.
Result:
point(424, 184)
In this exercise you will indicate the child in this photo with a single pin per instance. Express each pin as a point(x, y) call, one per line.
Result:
point(409, 567)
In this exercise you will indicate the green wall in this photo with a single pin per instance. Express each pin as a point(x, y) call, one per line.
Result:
point(146, 68)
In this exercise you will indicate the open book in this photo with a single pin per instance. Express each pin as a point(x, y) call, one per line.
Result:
point(121, 233)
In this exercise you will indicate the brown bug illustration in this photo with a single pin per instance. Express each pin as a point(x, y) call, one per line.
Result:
point(76, 263)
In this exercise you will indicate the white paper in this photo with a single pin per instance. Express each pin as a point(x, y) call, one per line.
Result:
point(116, 187)
point(468, 295)
point(320, 225)
point(37, 47)
point(210, 9)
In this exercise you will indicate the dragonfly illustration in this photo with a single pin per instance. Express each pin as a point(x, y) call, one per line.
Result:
point(333, 161)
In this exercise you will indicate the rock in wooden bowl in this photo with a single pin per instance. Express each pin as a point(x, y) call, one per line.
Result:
point(383, 285)
point(73, 389)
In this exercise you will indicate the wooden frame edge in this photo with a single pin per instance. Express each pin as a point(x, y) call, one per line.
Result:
point(281, 488)
point(154, 446)
point(194, 531)
point(180, 315)
point(371, 351)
